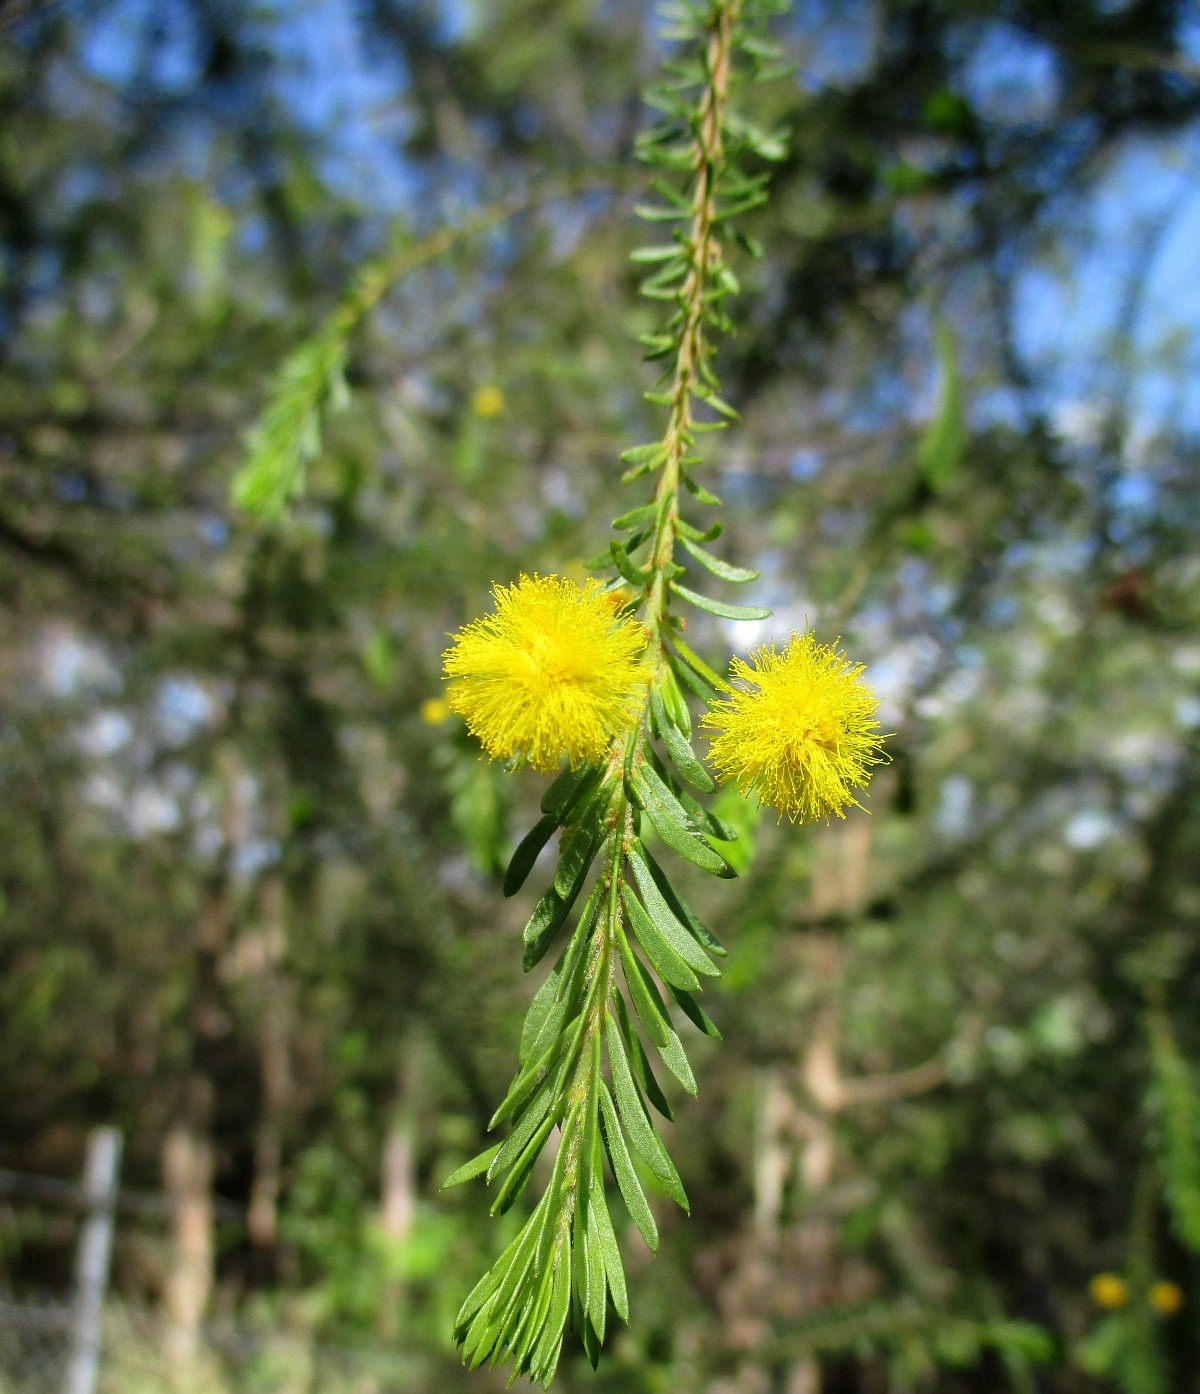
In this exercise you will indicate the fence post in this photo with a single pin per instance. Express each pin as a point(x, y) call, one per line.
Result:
point(91, 1260)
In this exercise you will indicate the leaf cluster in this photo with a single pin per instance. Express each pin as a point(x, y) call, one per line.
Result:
point(586, 1061)
point(634, 946)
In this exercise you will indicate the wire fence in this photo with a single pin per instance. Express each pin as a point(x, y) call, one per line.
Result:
point(136, 1347)
point(137, 1357)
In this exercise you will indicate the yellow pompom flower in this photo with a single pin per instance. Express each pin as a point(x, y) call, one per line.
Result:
point(434, 710)
point(487, 401)
point(1108, 1291)
point(1165, 1297)
point(797, 729)
point(555, 670)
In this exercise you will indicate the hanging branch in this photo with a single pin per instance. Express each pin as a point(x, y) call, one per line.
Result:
point(589, 672)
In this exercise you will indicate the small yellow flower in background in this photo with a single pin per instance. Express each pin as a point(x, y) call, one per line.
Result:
point(434, 710)
point(798, 729)
point(1165, 1297)
point(552, 671)
point(1109, 1291)
point(487, 402)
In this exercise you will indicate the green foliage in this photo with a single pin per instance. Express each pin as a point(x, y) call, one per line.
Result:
point(310, 384)
point(311, 852)
point(1176, 1100)
point(565, 1264)
point(940, 451)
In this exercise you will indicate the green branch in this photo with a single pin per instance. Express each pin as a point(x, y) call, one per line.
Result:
point(311, 381)
point(584, 1064)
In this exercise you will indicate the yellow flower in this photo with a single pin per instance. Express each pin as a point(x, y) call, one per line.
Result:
point(1165, 1297)
point(1107, 1290)
point(554, 670)
point(434, 710)
point(487, 402)
point(798, 729)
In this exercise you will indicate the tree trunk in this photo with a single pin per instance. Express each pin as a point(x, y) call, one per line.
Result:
point(187, 1180)
point(275, 1062)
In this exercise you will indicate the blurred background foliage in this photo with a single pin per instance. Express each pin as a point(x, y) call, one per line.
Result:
point(250, 895)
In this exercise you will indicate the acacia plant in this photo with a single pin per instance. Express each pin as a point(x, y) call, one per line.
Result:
point(600, 677)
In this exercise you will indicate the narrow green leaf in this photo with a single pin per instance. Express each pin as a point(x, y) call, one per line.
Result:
point(638, 1128)
point(579, 850)
point(750, 245)
point(636, 517)
point(483, 1290)
point(653, 1022)
point(709, 534)
point(522, 1168)
point(650, 214)
point(526, 1126)
point(654, 291)
point(610, 1252)
point(699, 817)
point(590, 1341)
point(579, 1255)
point(698, 665)
point(644, 454)
point(734, 209)
point(679, 748)
point(718, 404)
point(526, 1080)
point(562, 791)
point(531, 1323)
point(550, 1206)
point(737, 574)
point(625, 1177)
point(675, 833)
point(661, 900)
point(672, 1052)
point(689, 678)
point(545, 1356)
point(597, 1303)
point(540, 1017)
point(669, 965)
point(666, 926)
point(527, 852)
point(672, 697)
point(638, 1059)
point(720, 608)
point(698, 491)
point(664, 790)
point(695, 1013)
point(631, 572)
point(548, 911)
point(475, 1167)
point(513, 1270)
point(675, 1059)
point(665, 251)
point(549, 916)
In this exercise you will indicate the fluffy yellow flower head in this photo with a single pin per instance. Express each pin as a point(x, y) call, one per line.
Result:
point(1108, 1291)
point(434, 710)
point(1165, 1297)
point(798, 729)
point(553, 670)
point(487, 401)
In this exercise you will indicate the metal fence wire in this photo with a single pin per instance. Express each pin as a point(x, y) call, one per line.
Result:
point(90, 1341)
point(135, 1357)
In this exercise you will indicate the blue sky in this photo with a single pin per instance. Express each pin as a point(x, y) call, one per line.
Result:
point(1141, 218)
